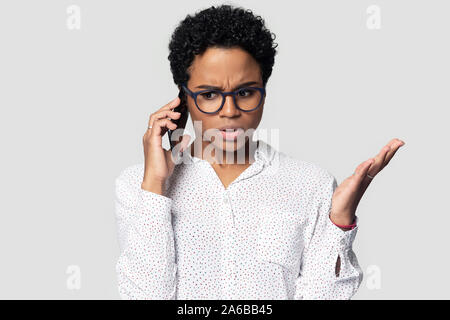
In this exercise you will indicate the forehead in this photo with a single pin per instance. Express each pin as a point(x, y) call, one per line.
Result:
point(219, 65)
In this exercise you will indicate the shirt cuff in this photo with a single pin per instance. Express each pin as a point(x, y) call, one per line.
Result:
point(154, 204)
point(343, 238)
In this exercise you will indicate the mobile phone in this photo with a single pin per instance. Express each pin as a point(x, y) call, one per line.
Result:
point(181, 121)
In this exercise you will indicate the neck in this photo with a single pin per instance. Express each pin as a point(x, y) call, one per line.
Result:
point(211, 157)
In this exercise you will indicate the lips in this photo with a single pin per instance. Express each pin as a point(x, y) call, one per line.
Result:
point(229, 128)
point(231, 132)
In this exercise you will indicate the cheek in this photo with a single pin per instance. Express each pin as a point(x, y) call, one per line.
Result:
point(199, 119)
point(256, 118)
point(196, 114)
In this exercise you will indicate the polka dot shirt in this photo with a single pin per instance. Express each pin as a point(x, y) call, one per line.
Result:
point(267, 235)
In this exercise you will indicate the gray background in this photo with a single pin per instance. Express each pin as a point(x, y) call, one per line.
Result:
point(75, 105)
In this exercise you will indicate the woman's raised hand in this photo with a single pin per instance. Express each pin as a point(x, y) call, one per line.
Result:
point(347, 195)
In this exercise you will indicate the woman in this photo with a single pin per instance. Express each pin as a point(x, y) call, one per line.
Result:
point(266, 227)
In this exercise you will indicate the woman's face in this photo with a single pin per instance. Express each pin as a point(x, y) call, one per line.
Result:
point(226, 69)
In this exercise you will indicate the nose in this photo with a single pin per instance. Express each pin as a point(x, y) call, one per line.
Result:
point(229, 109)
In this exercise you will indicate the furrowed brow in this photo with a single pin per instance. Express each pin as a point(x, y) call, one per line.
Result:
point(245, 84)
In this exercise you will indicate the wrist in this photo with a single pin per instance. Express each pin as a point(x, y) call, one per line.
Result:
point(347, 223)
point(154, 186)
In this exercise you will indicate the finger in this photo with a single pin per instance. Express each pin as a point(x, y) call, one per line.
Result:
point(172, 104)
point(359, 179)
point(393, 143)
point(362, 169)
point(160, 128)
point(165, 114)
point(361, 165)
point(395, 146)
point(379, 160)
point(162, 115)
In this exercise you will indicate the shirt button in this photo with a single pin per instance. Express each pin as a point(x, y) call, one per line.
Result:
point(225, 199)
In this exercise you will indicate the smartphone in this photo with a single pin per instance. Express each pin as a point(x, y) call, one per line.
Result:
point(181, 121)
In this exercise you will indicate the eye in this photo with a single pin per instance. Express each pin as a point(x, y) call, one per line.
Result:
point(244, 93)
point(209, 95)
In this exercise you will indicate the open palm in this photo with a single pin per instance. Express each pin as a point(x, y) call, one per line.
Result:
point(347, 195)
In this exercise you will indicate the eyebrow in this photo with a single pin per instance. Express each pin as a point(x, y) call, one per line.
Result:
point(245, 84)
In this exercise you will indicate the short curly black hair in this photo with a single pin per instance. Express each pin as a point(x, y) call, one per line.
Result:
point(224, 26)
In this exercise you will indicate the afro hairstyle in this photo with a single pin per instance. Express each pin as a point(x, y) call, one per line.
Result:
point(224, 26)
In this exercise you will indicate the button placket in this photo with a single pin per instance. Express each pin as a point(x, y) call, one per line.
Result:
point(228, 209)
point(229, 256)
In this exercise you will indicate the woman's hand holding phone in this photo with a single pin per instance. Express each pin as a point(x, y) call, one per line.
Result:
point(158, 161)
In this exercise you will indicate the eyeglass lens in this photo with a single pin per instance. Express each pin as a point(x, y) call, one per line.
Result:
point(246, 99)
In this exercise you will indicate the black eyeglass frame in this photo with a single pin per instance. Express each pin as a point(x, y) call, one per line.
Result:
point(224, 94)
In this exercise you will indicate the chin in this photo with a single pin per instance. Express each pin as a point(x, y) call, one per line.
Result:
point(232, 146)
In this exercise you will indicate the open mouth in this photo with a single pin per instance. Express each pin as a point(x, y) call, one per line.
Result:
point(231, 133)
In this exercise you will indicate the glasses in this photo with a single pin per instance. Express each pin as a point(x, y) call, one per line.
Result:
point(211, 101)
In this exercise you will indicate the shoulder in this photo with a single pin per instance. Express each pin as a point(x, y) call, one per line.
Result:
point(128, 183)
point(131, 174)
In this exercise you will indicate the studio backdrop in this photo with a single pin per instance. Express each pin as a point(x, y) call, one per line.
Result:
point(79, 80)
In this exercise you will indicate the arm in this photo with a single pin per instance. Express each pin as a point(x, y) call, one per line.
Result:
point(329, 268)
point(146, 266)
point(345, 228)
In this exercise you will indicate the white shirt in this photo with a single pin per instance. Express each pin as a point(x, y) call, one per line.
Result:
point(267, 235)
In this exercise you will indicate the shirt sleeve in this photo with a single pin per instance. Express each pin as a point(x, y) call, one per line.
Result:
point(317, 278)
point(146, 267)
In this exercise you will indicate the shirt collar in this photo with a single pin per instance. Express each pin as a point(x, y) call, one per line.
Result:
point(264, 154)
